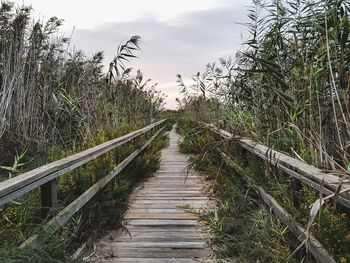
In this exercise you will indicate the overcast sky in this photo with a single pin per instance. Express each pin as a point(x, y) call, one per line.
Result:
point(179, 36)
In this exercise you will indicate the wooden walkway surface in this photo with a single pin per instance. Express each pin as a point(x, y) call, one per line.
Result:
point(159, 227)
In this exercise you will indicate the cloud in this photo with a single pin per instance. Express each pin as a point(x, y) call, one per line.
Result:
point(184, 44)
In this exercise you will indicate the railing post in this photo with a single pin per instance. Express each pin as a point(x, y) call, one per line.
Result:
point(296, 188)
point(48, 197)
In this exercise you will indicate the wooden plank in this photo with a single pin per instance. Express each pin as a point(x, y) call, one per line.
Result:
point(161, 215)
point(149, 260)
point(172, 186)
point(173, 202)
point(183, 164)
point(62, 217)
point(171, 189)
point(155, 252)
point(170, 205)
point(169, 195)
point(165, 198)
point(21, 184)
point(173, 230)
point(162, 222)
point(176, 178)
point(160, 236)
point(161, 210)
point(169, 192)
point(162, 244)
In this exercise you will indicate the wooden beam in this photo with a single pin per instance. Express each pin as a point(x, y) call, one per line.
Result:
point(21, 184)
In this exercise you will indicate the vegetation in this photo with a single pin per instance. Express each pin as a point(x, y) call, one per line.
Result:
point(289, 86)
point(51, 97)
point(289, 89)
point(104, 212)
point(241, 229)
point(54, 103)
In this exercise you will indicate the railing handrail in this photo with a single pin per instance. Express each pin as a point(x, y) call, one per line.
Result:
point(21, 184)
point(298, 169)
point(63, 216)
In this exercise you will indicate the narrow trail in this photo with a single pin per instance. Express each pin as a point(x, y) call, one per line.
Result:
point(159, 225)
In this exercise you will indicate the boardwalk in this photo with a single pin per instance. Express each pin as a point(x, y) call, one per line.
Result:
point(159, 227)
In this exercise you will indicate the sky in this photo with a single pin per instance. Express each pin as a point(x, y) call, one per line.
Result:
point(178, 37)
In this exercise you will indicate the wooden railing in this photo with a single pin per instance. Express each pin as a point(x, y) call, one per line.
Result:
point(46, 176)
point(330, 183)
point(326, 182)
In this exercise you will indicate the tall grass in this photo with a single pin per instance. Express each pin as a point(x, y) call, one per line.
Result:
point(55, 102)
point(289, 86)
point(50, 96)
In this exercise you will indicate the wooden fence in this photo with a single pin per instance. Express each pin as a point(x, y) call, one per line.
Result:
point(46, 176)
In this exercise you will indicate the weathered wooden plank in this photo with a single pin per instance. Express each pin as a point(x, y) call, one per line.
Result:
point(178, 176)
point(170, 191)
point(159, 195)
point(167, 173)
point(175, 181)
point(176, 184)
point(156, 252)
point(162, 244)
point(161, 236)
point(173, 159)
point(161, 229)
point(162, 222)
point(149, 260)
point(175, 163)
point(160, 210)
point(174, 187)
point(175, 198)
point(173, 202)
point(161, 215)
point(170, 205)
